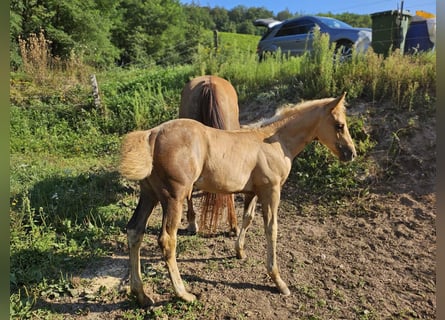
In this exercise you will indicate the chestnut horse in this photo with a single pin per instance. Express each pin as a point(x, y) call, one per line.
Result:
point(213, 101)
point(170, 159)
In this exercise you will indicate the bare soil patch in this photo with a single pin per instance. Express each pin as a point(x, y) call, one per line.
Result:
point(372, 257)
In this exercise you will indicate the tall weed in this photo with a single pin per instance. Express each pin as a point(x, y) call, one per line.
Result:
point(45, 78)
point(317, 71)
point(36, 56)
point(401, 79)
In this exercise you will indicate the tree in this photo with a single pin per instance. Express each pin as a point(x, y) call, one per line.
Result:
point(238, 14)
point(151, 31)
point(246, 27)
point(80, 27)
point(199, 16)
point(15, 29)
point(221, 18)
point(355, 20)
point(251, 15)
point(285, 14)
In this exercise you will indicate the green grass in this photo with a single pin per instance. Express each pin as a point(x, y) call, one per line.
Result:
point(240, 43)
point(59, 211)
point(63, 214)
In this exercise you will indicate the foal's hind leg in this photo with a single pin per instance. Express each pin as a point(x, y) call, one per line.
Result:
point(172, 211)
point(248, 215)
point(135, 233)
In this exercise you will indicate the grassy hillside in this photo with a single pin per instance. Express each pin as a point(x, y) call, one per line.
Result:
point(242, 43)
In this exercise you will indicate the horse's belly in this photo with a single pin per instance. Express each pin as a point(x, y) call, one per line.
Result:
point(222, 183)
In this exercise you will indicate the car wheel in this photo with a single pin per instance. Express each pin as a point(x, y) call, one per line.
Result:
point(343, 51)
point(264, 55)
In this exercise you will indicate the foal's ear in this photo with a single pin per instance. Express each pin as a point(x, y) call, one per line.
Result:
point(338, 101)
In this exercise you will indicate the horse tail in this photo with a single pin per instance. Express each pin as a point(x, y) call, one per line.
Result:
point(213, 204)
point(209, 106)
point(136, 161)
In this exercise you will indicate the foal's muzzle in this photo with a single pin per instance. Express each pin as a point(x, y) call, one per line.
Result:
point(346, 153)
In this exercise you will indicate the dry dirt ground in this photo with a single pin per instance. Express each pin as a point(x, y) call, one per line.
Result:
point(370, 258)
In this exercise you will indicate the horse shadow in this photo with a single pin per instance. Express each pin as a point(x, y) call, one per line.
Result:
point(63, 211)
point(76, 198)
point(233, 284)
point(121, 298)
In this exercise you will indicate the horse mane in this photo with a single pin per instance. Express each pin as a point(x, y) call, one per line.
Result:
point(209, 106)
point(286, 111)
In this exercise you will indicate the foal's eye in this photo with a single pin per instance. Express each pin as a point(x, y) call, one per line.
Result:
point(339, 126)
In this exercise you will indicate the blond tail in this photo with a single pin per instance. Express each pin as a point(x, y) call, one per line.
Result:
point(136, 158)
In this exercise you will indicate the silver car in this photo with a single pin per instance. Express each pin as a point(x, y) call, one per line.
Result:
point(295, 36)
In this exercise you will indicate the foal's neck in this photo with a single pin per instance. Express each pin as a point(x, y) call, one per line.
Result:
point(297, 129)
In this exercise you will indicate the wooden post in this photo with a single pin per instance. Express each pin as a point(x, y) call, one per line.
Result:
point(95, 88)
point(215, 39)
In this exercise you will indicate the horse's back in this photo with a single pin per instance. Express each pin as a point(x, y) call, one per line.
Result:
point(192, 105)
point(190, 97)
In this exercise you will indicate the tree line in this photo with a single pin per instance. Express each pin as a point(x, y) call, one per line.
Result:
point(133, 32)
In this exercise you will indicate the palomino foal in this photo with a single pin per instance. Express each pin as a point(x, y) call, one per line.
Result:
point(171, 158)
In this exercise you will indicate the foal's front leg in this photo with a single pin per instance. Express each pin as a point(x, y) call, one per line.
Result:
point(172, 211)
point(250, 201)
point(270, 213)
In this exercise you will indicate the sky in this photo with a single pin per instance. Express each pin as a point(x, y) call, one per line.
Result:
point(323, 6)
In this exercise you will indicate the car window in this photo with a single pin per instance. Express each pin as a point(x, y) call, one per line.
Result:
point(268, 31)
point(295, 27)
point(334, 23)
